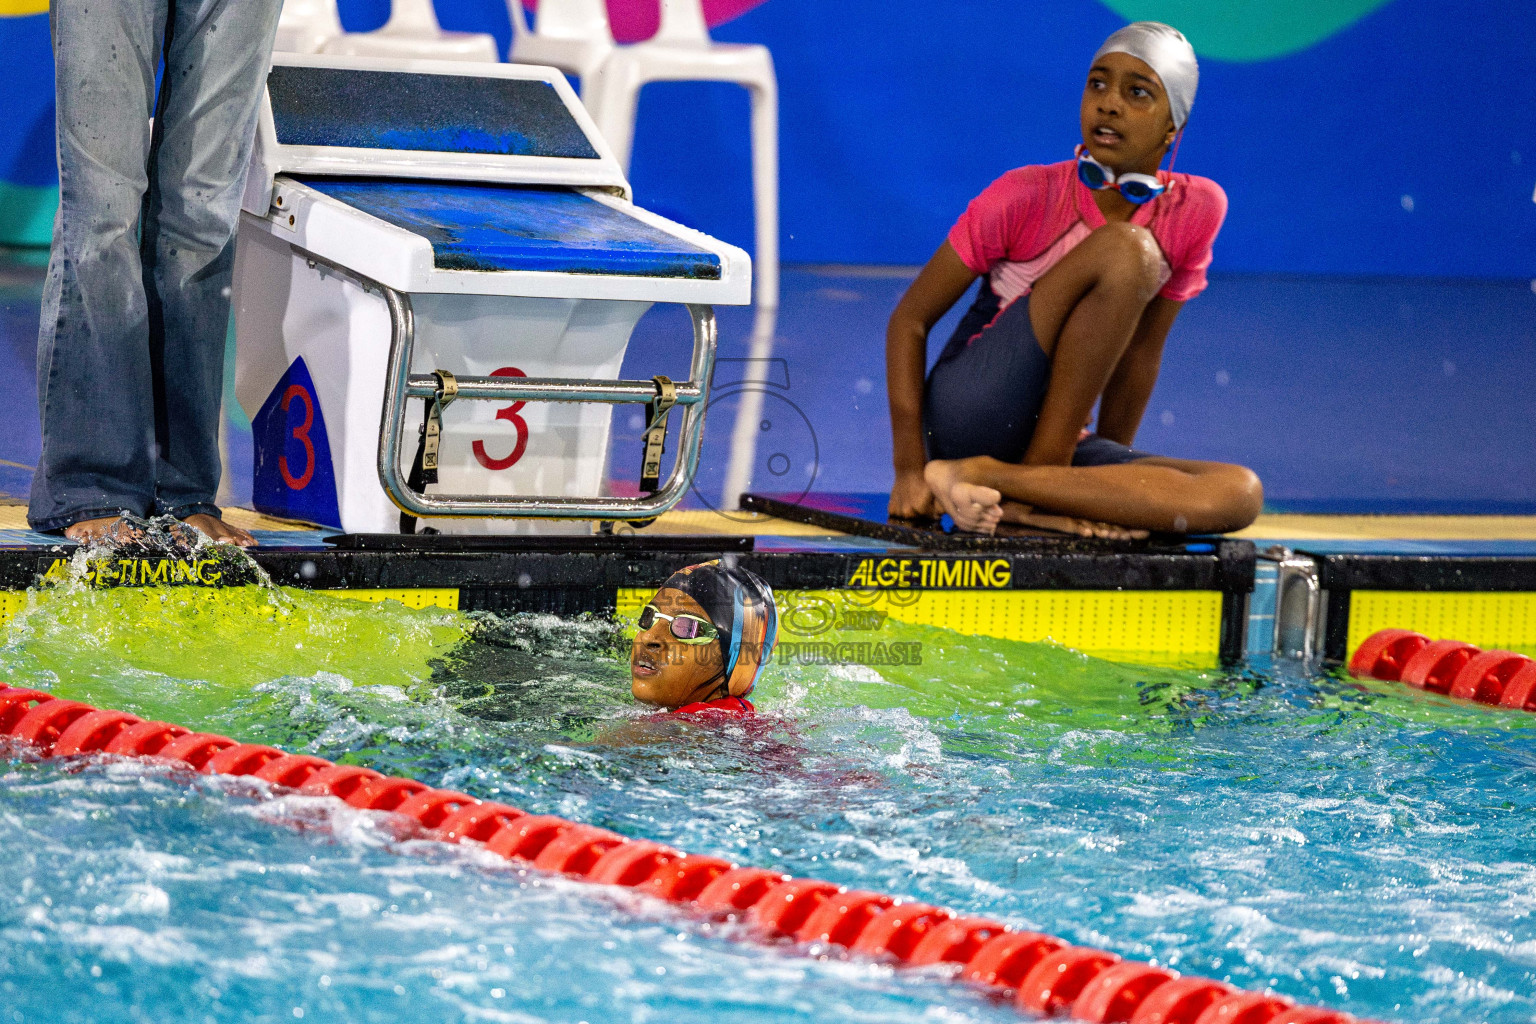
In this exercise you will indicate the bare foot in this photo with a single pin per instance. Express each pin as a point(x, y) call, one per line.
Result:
point(973, 507)
point(1025, 515)
point(218, 531)
point(112, 529)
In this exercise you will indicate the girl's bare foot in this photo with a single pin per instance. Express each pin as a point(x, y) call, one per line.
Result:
point(112, 529)
point(973, 507)
point(218, 531)
point(1025, 515)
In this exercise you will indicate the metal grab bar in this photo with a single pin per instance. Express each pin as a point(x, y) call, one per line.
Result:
point(550, 389)
point(400, 386)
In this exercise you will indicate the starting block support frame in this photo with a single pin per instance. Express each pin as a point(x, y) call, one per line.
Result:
point(400, 386)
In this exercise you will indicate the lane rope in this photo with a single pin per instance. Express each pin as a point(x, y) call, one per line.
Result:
point(1450, 667)
point(1041, 974)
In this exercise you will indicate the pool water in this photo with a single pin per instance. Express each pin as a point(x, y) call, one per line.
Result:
point(1364, 847)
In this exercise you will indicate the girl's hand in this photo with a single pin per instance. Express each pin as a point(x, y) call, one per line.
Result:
point(911, 497)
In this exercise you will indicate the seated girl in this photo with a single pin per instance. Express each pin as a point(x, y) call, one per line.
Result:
point(1086, 264)
point(704, 640)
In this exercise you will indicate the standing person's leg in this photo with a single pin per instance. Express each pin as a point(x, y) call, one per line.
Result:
point(93, 365)
point(216, 60)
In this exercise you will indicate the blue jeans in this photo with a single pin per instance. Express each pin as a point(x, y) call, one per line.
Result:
point(130, 355)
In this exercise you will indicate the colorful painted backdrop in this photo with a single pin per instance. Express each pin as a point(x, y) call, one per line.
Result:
point(29, 182)
point(1353, 136)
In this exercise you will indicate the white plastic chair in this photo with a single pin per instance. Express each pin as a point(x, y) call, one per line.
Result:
point(681, 51)
point(413, 31)
point(304, 26)
point(572, 35)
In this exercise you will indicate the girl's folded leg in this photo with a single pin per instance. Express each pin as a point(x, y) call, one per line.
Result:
point(1017, 514)
point(1154, 493)
point(974, 507)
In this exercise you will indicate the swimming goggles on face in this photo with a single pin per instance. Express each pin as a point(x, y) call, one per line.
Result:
point(1136, 188)
point(690, 629)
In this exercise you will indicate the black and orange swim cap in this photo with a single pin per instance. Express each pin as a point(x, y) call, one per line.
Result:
point(742, 608)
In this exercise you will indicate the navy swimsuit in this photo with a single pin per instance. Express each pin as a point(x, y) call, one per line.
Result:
point(983, 396)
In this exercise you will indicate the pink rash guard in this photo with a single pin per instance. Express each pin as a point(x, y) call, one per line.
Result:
point(1031, 217)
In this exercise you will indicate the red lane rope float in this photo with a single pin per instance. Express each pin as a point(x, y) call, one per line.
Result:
point(1044, 975)
point(1445, 666)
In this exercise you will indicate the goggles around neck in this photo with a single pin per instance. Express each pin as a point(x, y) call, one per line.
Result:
point(1136, 188)
point(690, 629)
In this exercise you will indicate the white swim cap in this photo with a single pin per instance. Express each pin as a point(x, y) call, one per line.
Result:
point(1164, 49)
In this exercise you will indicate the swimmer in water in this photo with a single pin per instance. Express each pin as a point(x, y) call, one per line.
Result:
point(1084, 265)
point(704, 639)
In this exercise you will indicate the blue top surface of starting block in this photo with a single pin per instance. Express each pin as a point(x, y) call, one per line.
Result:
point(521, 227)
point(359, 108)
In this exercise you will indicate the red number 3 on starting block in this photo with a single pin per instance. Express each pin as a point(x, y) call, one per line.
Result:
point(301, 435)
point(510, 413)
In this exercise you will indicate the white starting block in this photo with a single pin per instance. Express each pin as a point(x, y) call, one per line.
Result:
point(457, 234)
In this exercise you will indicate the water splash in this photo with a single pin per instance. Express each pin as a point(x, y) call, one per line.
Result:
point(189, 652)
